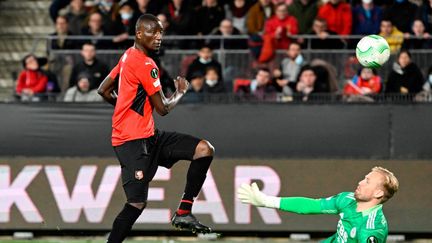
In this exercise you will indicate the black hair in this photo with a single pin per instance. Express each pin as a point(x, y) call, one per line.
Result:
point(404, 51)
point(26, 57)
point(144, 18)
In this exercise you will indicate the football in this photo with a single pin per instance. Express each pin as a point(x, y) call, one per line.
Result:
point(372, 51)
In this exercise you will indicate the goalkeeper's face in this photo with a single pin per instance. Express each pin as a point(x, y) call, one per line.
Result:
point(370, 188)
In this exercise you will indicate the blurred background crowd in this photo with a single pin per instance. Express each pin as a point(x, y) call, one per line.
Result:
point(289, 50)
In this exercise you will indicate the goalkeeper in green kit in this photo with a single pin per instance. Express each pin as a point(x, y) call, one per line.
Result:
point(361, 215)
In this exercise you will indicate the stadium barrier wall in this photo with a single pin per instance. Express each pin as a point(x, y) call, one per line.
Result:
point(245, 130)
point(84, 193)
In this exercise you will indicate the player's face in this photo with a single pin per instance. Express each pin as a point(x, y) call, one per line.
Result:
point(371, 187)
point(150, 35)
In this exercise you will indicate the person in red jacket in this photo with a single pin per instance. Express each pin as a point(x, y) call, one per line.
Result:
point(367, 82)
point(277, 33)
point(31, 81)
point(338, 16)
point(281, 27)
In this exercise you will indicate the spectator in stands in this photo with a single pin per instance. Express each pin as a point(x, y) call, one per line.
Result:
point(366, 18)
point(326, 76)
point(126, 13)
point(81, 92)
point(364, 84)
point(110, 17)
point(291, 64)
point(95, 29)
point(338, 16)
point(203, 61)
point(236, 11)
point(213, 82)
point(148, 6)
point(280, 28)
point(401, 13)
point(424, 12)
point(405, 77)
point(226, 29)
point(426, 93)
point(418, 38)
point(179, 17)
point(167, 32)
point(323, 38)
point(392, 35)
point(208, 17)
point(305, 12)
point(55, 7)
point(76, 15)
point(282, 87)
point(32, 82)
point(197, 88)
point(261, 87)
point(306, 82)
point(90, 64)
point(60, 36)
point(257, 15)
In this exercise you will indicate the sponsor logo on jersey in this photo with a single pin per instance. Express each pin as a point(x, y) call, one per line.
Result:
point(154, 73)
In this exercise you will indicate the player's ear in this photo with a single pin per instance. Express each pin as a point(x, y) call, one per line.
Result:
point(138, 34)
point(379, 193)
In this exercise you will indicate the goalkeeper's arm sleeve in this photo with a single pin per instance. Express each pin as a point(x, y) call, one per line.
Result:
point(300, 205)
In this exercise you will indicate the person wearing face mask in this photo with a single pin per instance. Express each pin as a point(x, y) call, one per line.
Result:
point(126, 13)
point(203, 61)
point(212, 81)
point(111, 20)
point(292, 63)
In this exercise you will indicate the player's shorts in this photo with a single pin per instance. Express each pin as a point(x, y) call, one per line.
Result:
point(139, 160)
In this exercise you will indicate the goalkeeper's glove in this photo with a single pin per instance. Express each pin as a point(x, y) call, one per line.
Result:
point(251, 194)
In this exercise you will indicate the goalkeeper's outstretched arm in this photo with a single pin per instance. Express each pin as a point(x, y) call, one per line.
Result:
point(250, 194)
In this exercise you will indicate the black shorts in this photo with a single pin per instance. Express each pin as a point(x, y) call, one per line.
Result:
point(139, 160)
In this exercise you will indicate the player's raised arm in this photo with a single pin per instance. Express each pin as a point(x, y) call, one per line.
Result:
point(164, 105)
point(250, 194)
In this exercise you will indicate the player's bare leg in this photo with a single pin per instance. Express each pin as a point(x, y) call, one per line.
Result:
point(183, 217)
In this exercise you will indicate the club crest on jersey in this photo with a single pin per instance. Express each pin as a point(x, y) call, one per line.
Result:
point(371, 239)
point(139, 174)
point(154, 73)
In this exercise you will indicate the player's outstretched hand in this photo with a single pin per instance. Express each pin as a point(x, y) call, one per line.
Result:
point(181, 84)
point(251, 194)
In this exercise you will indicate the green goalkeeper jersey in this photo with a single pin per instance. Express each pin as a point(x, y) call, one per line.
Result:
point(368, 226)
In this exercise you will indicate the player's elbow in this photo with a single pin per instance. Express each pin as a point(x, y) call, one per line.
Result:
point(163, 111)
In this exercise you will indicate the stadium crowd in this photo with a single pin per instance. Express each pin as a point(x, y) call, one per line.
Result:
point(264, 27)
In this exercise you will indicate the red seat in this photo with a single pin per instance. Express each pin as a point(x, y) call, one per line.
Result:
point(238, 83)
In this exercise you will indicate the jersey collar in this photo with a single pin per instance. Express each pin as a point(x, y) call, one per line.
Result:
point(372, 209)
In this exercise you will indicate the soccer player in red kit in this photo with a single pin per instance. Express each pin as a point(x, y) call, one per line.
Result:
point(139, 146)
